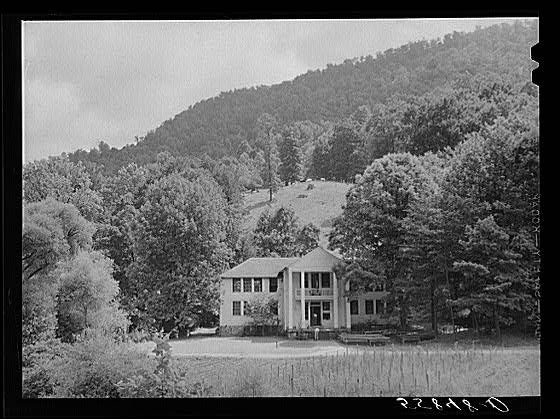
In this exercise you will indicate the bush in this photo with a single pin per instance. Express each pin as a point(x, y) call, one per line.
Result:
point(93, 367)
point(112, 321)
point(163, 381)
point(38, 363)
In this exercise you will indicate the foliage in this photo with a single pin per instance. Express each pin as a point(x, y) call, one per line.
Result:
point(87, 297)
point(267, 139)
point(93, 367)
point(164, 381)
point(279, 234)
point(64, 181)
point(178, 243)
point(290, 157)
point(263, 311)
point(37, 367)
point(53, 233)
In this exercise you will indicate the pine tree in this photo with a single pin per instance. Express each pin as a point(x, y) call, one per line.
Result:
point(266, 139)
point(290, 157)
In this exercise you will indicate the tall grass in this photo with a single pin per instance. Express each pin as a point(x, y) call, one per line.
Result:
point(360, 372)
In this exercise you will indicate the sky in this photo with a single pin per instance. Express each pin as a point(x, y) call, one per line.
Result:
point(91, 81)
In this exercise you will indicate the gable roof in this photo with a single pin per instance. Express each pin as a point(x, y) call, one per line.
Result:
point(317, 259)
point(259, 268)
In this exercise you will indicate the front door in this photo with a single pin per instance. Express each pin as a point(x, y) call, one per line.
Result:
point(315, 314)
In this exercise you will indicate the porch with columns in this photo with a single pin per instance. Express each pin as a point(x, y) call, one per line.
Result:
point(318, 262)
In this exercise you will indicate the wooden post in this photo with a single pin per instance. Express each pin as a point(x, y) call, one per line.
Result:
point(335, 297)
point(290, 301)
point(348, 319)
point(302, 281)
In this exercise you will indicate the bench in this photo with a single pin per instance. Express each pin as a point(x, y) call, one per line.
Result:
point(371, 339)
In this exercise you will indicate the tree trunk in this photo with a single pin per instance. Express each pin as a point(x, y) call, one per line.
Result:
point(497, 321)
point(476, 325)
point(433, 306)
point(450, 307)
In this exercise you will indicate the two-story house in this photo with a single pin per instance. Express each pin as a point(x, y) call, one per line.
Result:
point(308, 292)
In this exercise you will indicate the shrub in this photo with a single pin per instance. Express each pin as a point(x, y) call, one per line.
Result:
point(38, 363)
point(93, 367)
point(163, 381)
point(111, 321)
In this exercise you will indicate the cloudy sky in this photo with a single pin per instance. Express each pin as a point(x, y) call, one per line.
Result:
point(91, 81)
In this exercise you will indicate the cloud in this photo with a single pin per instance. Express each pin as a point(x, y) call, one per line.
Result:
point(86, 81)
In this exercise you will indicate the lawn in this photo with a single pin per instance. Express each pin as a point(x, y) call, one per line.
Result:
point(319, 205)
point(327, 368)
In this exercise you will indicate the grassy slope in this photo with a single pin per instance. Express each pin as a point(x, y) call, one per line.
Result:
point(320, 206)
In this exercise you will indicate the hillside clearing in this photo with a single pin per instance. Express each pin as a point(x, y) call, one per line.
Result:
point(320, 206)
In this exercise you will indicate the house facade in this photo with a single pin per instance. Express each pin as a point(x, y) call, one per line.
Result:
point(308, 292)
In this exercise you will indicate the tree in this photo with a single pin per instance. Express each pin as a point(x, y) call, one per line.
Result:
point(494, 278)
point(64, 181)
point(267, 140)
point(263, 312)
point(53, 232)
point(290, 166)
point(87, 296)
point(307, 238)
point(372, 228)
point(179, 250)
point(279, 234)
point(345, 162)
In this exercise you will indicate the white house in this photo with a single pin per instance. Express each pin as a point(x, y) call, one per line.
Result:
point(307, 282)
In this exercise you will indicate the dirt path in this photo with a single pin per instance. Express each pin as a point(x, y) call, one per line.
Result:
point(270, 347)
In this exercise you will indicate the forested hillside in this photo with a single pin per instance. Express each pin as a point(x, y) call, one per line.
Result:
point(227, 124)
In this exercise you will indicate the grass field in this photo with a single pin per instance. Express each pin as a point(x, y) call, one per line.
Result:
point(386, 371)
point(319, 206)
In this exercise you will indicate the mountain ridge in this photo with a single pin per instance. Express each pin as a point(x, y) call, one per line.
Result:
point(217, 126)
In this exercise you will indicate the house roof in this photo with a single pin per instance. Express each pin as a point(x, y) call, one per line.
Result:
point(318, 259)
point(259, 267)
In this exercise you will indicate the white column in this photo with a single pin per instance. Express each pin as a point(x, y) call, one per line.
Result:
point(347, 288)
point(302, 276)
point(290, 301)
point(335, 298)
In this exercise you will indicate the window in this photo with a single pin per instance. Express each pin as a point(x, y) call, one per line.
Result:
point(369, 307)
point(306, 311)
point(257, 285)
point(380, 287)
point(273, 285)
point(380, 306)
point(354, 307)
point(247, 284)
point(245, 308)
point(315, 280)
point(237, 285)
point(325, 280)
point(306, 280)
point(326, 310)
point(237, 308)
